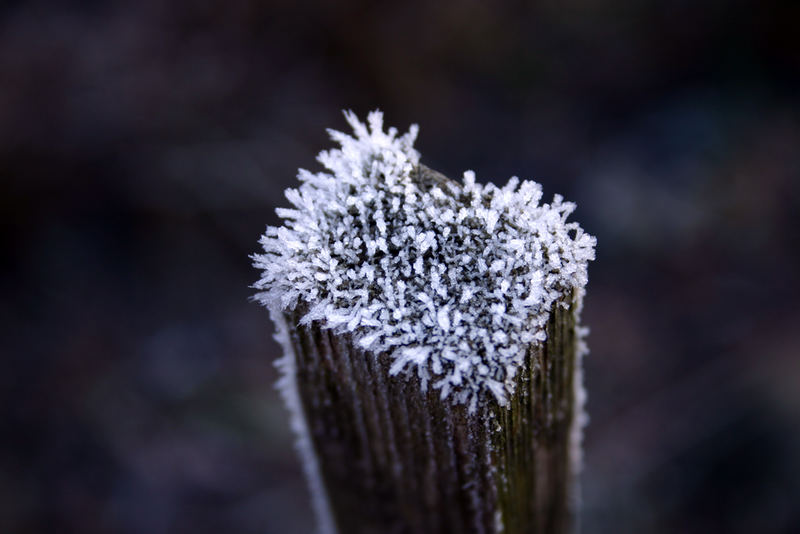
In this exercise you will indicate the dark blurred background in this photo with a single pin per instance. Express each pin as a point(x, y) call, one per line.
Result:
point(143, 149)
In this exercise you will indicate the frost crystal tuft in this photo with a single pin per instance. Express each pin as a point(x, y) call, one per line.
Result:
point(453, 281)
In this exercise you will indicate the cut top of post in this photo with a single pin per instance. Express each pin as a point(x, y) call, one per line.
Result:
point(453, 280)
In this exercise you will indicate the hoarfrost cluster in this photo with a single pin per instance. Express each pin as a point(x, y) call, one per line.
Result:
point(453, 281)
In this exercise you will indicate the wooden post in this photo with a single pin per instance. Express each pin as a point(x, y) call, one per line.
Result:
point(390, 454)
point(398, 460)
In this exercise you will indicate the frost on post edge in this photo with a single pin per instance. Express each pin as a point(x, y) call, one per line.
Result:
point(453, 281)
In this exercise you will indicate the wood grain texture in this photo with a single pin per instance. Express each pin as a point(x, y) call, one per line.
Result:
point(396, 459)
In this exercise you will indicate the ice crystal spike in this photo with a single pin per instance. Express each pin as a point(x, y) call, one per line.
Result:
point(453, 281)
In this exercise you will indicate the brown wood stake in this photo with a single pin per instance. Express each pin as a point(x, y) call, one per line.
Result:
point(396, 459)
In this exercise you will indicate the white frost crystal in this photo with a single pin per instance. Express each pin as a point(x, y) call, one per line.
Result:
point(453, 281)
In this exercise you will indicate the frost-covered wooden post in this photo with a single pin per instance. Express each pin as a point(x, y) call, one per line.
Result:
point(432, 348)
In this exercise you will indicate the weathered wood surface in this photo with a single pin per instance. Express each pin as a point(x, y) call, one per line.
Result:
point(395, 459)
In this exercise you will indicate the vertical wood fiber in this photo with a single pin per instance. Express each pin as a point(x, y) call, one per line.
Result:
point(396, 459)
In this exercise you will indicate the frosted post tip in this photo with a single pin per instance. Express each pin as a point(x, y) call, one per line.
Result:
point(453, 280)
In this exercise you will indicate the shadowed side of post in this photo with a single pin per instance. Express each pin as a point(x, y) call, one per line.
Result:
point(397, 459)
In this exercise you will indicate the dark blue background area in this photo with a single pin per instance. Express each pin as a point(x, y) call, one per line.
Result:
point(145, 145)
